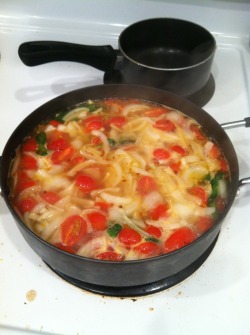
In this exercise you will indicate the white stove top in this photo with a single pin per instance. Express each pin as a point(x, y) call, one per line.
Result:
point(216, 298)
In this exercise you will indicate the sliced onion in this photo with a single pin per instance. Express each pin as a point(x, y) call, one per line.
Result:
point(133, 108)
point(116, 200)
point(106, 146)
point(151, 200)
point(222, 188)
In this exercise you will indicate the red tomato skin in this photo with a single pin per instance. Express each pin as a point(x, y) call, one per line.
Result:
point(129, 236)
point(118, 121)
point(97, 220)
point(23, 185)
point(148, 248)
point(76, 160)
point(175, 166)
point(23, 182)
point(179, 238)
point(180, 150)
point(110, 256)
point(203, 224)
point(85, 183)
point(93, 123)
point(27, 204)
point(30, 145)
point(54, 123)
point(103, 205)
point(161, 153)
point(200, 193)
point(215, 151)
point(146, 184)
point(50, 197)
point(27, 162)
point(96, 140)
point(65, 248)
point(72, 230)
point(61, 156)
point(155, 111)
point(197, 132)
point(154, 231)
point(158, 212)
point(58, 144)
point(165, 125)
point(223, 165)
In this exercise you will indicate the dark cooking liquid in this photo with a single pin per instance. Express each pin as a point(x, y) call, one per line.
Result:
point(169, 58)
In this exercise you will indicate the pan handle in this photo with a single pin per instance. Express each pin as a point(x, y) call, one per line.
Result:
point(40, 52)
point(235, 124)
point(244, 181)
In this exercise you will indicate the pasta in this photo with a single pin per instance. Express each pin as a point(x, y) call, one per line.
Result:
point(119, 179)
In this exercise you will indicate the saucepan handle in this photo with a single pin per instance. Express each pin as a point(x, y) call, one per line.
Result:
point(40, 52)
point(235, 124)
point(244, 181)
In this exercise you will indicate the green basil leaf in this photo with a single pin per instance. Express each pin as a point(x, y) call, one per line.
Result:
point(215, 187)
point(41, 138)
point(112, 142)
point(127, 141)
point(59, 117)
point(152, 239)
point(114, 230)
point(41, 150)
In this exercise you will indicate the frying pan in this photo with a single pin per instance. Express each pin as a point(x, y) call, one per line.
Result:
point(130, 273)
point(167, 53)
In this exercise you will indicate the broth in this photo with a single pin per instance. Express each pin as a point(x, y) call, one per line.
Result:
point(118, 180)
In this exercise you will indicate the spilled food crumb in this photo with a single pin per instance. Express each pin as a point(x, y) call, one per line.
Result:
point(151, 309)
point(31, 295)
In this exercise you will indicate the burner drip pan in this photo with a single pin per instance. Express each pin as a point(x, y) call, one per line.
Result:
point(140, 290)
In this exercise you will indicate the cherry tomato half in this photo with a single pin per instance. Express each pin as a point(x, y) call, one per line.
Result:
point(118, 121)
point(165, 125)
point(155, 111)
point(148, 248)
point(200, 193)
point(30, 145)
point(146, 184)
point(85, 183)
point(65, 248)
point(180, 238)
point(50, 197)
point(161, 153)
point(197, 132)
point(27, 204)
point(110, 256)
point(154, 231)
point(215, 151)
point(60, 156)
point(129, 236)
point(158, 212)
point(203, 224)
point(180, 150)
point(27, 162)
point(175, 166)
point(23, 182)
point(60, 143)
point(72, 230)
point(93, 123)
point(223, 165)
point(98, 220)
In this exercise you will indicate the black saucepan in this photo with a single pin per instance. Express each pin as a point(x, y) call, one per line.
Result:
point(129, 273)
point(166, 53)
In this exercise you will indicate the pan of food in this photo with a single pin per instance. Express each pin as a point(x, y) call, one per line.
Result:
point(119, 185)
point(168, 53)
